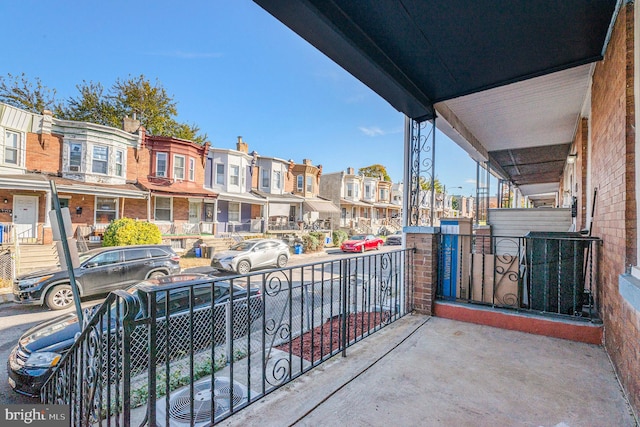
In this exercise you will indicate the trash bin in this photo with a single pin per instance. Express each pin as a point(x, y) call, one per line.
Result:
point(297, 249)
point(198, 251)
point(555, 271)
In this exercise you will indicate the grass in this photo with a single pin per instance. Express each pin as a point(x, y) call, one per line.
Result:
point(191, 261)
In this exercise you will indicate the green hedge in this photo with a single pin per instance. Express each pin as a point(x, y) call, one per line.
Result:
point(313, 242)
point(339, 236)
point(127, 231)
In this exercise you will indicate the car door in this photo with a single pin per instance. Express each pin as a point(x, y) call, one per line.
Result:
point(137, 264)
point(262, 254)
point(101, 273)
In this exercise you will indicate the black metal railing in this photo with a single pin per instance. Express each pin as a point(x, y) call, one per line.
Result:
point(543, 273)
point(199, 351)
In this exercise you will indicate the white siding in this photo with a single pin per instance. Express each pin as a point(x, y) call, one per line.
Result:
point(518, 222)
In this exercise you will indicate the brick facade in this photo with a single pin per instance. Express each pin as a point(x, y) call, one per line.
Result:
point(613, 174)
point(424, 269)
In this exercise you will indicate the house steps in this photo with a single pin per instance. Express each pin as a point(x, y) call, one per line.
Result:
point(216, 244)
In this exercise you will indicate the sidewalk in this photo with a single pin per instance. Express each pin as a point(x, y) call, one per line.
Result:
point(5, 295)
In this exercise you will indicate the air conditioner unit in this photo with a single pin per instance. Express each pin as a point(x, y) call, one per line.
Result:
point(74, 168)
point(180, 402)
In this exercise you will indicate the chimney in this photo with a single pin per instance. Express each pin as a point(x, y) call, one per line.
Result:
point(130, 125)
point(307, 162)
point(242, 146)
point(350, 171)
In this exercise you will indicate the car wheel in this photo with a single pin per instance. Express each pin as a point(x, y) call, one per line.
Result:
point(362, 249)
point(60, 297)
point(244, 267)
point(282, 261)
point(156, 274)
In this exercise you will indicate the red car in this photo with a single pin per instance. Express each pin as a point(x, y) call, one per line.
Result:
point(361, 243)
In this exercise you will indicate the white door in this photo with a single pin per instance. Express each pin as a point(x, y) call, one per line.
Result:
point(25, 216)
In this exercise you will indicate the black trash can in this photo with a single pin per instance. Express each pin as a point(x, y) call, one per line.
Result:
point(555, 271)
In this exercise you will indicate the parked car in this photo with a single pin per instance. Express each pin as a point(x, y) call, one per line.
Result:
point(40, 349)
point(361, 243)
point(250, 254)
point(101, 270)
point(394, 239)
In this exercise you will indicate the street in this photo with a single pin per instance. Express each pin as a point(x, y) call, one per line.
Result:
point(16, 319)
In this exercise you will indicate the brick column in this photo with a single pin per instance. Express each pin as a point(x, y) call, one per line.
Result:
point(425, 266)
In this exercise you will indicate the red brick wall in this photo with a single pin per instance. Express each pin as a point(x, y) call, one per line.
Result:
point(425, 261)
point(612, 173)
point(45, 157)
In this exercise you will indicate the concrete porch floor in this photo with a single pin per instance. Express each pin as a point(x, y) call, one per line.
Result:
point(423, 371)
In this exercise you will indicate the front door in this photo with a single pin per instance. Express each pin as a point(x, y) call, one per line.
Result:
point(25, 216)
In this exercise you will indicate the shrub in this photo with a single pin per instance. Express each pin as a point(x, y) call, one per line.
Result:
point(339, 236)
point(313, 242)
point(127, 231)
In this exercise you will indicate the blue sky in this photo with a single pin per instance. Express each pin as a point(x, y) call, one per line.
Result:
point(233, 69)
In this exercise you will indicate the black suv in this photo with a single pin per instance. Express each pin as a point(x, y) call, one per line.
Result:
point(101, 270)
point(39, 350)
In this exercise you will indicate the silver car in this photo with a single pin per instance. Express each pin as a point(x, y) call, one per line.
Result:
point(249, 254)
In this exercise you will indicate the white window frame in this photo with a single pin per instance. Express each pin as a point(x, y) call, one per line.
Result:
point(162, 173)
point(72, 157)
point(100, 204)
point(309, 184)
point(266, 178)
point(119, 163)
point(16, 148)
point(350, 188)
point(367, 191)
point(192, 169)
point(234, 212)
point(104, 161)
point(155, 209)
point(234, 175)
point(179, 165)
point(300, 182)
point(220, 173)
point(277, 180)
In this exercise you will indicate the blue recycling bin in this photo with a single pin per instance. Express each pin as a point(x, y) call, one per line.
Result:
point(297, 249)
point(198, 252)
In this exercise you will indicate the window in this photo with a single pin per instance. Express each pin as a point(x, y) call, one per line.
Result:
point(135, 254)
point(192, 169)
point(234, 212)
point(234, 179)
point(383, 194)
point(106, 258)
point(219, 173)
point(265, 178)
point(106, 209)
point(75, 157)
point(100, 159)
point(119, 162)
point(178, 167)
point(163, 209)
point(367, 191)
point(11, 147)
point(161, 164)
point(300, 182)
point(277, 180)
point(309, 184)
point(349, 190)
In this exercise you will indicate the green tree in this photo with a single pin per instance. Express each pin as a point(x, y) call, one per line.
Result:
point(375, 171)
point(92, 105)
point(455, 204)
point(32, 96)
point(425, 184)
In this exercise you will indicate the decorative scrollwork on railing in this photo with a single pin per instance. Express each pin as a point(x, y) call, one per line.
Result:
point(279, 372)
point(421, 163)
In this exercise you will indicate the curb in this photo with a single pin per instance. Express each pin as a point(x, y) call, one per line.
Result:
point(6, 296)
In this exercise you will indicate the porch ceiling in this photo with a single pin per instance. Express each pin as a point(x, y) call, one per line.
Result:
point(507, 80)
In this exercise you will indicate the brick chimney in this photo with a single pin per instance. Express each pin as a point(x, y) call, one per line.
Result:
point(242, 146)
point(307, 162)
point(350, 171)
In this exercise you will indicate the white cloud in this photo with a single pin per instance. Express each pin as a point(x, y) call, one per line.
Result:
point(470, 181)
point(372, 131)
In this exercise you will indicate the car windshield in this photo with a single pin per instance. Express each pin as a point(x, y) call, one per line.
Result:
point(358, 237)
point(242, 246)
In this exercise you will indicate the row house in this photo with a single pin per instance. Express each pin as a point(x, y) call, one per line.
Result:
point(260, 193)
point(100, 173)
point(365, 202)
point(317, 212)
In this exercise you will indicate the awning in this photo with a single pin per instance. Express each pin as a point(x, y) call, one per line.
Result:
point(40, 182)
point(318, 205)
point(243, 198)
point(279, 209)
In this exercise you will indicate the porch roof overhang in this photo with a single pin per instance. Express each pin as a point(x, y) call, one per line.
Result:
point(39, 182)
point(243, 198)
point(320, 205)
point(278, 198)
point(507, 80)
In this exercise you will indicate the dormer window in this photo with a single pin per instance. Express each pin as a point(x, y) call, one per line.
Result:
point(12, 148)
point(309, 184)
point(300, 183)
point(265, 178)
point(178, 167)
point(119, 162)
point(75, 157)
point(277, 180)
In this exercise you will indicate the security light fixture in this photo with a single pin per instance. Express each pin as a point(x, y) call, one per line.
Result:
point(571, 159)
